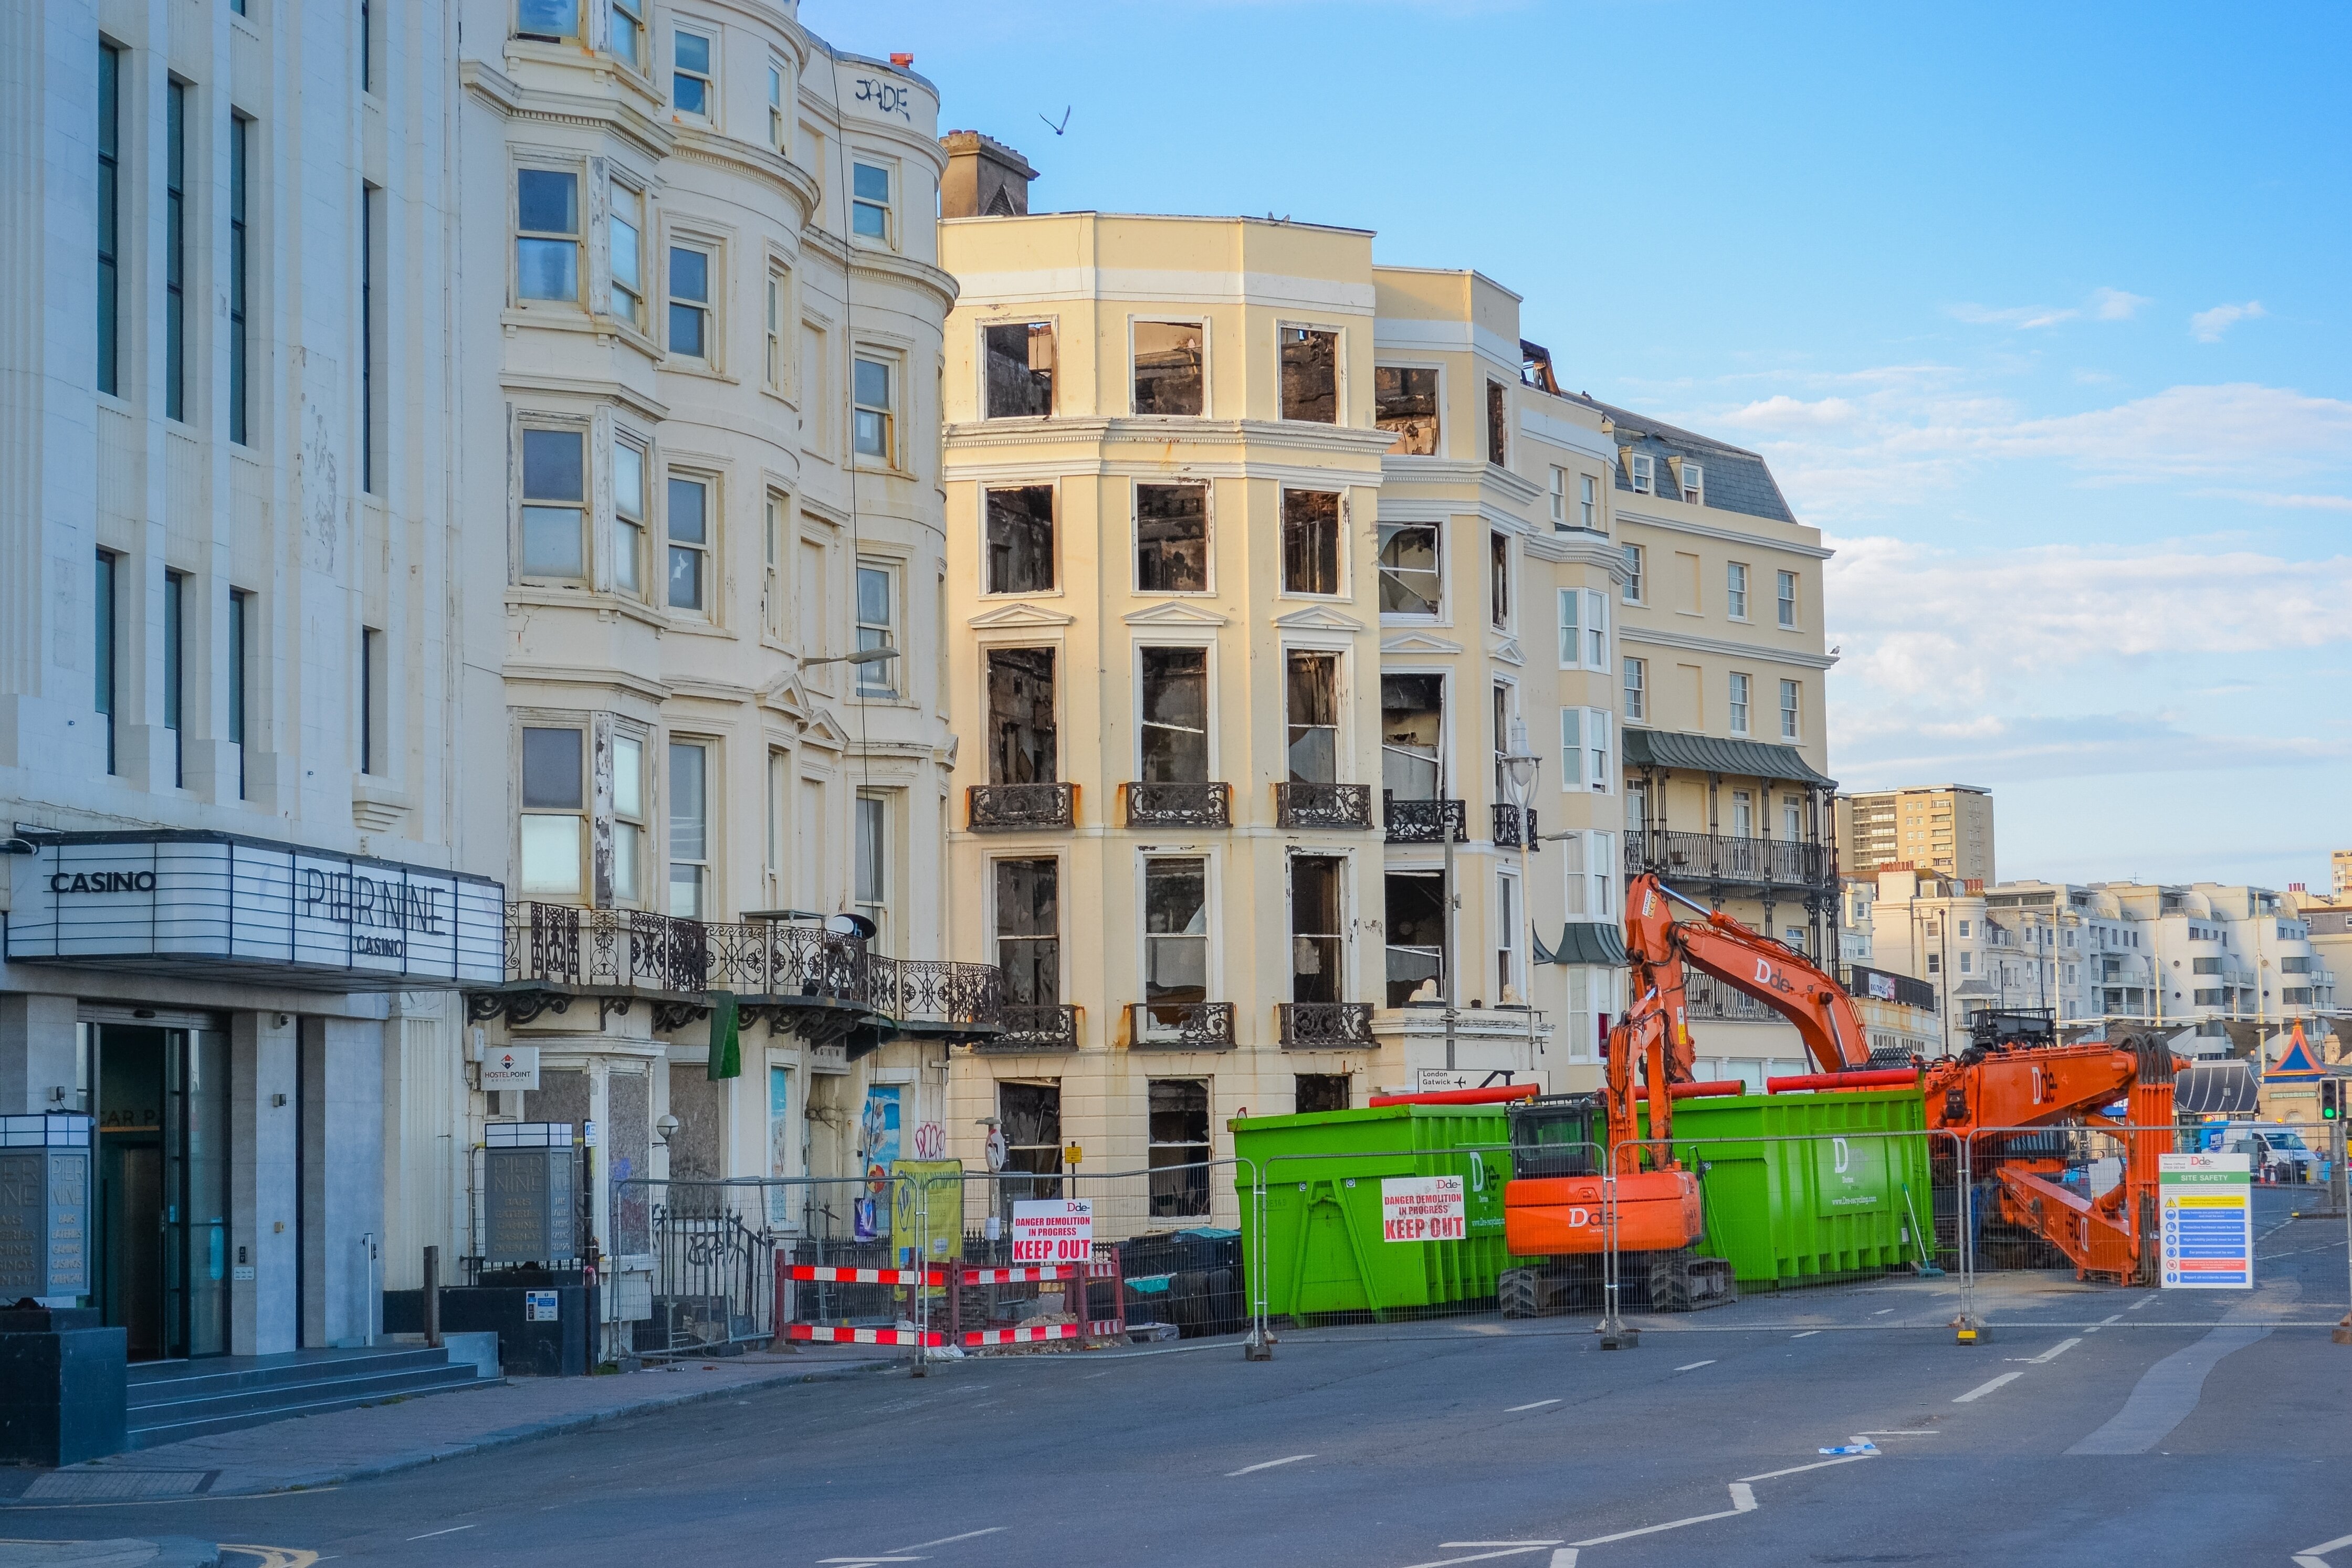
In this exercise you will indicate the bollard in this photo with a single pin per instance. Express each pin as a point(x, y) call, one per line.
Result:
point(433, 1296)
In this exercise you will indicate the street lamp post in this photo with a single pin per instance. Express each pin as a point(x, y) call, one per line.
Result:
point(1521, 766)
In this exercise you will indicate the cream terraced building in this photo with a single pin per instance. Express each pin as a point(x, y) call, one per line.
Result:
point(1262, 558)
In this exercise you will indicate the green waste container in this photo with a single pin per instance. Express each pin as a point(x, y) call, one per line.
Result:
point(1323, 1246)
point(1799, 1187)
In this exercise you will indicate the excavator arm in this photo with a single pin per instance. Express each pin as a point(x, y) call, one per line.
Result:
point(1656, 1027)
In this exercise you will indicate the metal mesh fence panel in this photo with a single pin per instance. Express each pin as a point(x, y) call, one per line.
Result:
point(2069, 1228)
point(1853, 1229)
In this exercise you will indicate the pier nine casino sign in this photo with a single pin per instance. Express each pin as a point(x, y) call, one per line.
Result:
point(251, 908)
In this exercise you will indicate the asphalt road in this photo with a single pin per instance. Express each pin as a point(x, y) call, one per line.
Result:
point(2166, 1436)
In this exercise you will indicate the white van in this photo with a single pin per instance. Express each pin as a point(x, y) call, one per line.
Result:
point(2272, 1152)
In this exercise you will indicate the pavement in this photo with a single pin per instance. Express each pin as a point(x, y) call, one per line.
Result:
point(2109, 1426)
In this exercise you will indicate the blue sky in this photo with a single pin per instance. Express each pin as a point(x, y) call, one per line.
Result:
point(2039, 313)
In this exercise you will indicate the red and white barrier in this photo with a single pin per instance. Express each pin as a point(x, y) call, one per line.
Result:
point(1029, 1335)
point(1030, 1275)
point(828, 1335)
point(865, 1276)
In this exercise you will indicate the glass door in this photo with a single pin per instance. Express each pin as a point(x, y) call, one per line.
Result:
point(162, 1107)
point(196, 1171)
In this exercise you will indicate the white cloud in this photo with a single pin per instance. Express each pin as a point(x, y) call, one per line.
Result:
point(2206, 326)
point(1781, 411)
point(1949, 630)
point(1879, 749)
point(2021, 316)
point(2277, 498)
point(2115, 305)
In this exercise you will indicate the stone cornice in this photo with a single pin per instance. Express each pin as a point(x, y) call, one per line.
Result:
point(1692, 643)
point(493, 88)
point(1732, 535)
point(747, 158)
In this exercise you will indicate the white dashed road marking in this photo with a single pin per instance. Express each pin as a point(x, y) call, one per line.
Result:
point(2053, 1354)
point(951, 1539)
point(1479, 1557)
point(1514, 1409)
point(1695, 1365)
point(1268, 1465)
point(2316, 1556)
point(1807, 1335)
point(1981, 1389)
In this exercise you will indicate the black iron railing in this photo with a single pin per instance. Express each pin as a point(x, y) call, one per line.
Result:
point(1423, 822)
point(1322, 1026)
point(1180, 804)
point(1711, 1000)
point(1323, 805)
point(1023, 1026)
point(1182, 1026)
point(1720, 857)
point(997, 807)
point(1506, 826)
point(624, 952)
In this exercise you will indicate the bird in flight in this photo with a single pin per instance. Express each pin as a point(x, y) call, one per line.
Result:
point(1057, 130)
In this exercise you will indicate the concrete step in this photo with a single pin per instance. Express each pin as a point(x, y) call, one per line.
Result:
point(156, 1425)
point(156, 1383)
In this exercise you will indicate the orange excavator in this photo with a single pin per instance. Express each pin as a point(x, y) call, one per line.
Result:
point(1554, 1206)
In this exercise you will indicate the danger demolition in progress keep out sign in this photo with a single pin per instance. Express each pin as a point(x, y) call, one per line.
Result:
point(1423, 1209)
point(1053, 1230)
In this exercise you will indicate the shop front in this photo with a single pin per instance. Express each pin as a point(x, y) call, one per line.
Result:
point(220, 1008)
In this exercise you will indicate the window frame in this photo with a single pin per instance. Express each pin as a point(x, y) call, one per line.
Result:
point(1740, 697)
point(1637, 563)
point(998, 936)
point(892, 169)
point(1338, 337)
point(1437, 613)
point(1642, 472)
point(1437, 441)
point(713, 256)
point(514, 16)
point(107, 113)
point(777, 315)
point(1502, 600)
point(239, 280)
point(1135, 555)
point(1636, 697)
point(1208, 651)
point(577, 726)
point(1692, 483)
point(1339, 594)
point(1207, 381)
point(1588, 502)
point(893, 365)
point(989, 588)
point(980, 359)
point(706, 866)
point(527, 424)
point(1578, 728)
point(884, 680)
point(174, 269)
point(1557, 497)
point(635, 62)
point(1583, 612)
point(780, 130)
point(1497, 417)
point(520, 236)
point(1736, 579)
point(1792, 710)
point(706, 548)
point(621, 542)
point(635, 824)
point(882, 845)
point(1785, 595)
point(708, 77)
point(1145, 937)
point(616, 190)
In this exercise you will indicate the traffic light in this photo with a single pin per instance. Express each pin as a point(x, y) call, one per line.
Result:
point(2331, 1099)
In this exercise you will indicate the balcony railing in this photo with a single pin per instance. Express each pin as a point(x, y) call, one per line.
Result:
point(1026, 1025)
point(621, 954)
point(1506, 826)
point(998, 808)
point(1718, 857)
point(1181, 1026)
point(1711, 1000)
point(1323, 805)
point(1423, 822)
point(1180, 804)
point(1325, 1026)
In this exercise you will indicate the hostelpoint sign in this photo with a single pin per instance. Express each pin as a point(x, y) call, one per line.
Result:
point(252, 909)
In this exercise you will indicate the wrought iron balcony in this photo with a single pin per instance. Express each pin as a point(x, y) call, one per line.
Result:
point(1506, 826)
point(1423, 822)
point(1180, 804)
point(1713, 1001)
point(784, 971)
point(1025, 1026)
point(1181, 1026)
point(1723, 858)
point(1325, 1026)
point(1323, 805)
point(998, 808)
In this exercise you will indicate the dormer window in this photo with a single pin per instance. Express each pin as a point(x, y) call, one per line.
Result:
point(1643, 468)
point(1694, 482)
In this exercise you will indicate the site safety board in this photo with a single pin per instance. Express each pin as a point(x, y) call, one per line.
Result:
point(2205, 1202)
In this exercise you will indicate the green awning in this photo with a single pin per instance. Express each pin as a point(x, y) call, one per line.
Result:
point(1585, 942)
point(1719, 754)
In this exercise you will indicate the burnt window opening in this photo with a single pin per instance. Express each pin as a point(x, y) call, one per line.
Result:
point(1020, 369)
point(1498, 405)
point(1029, 932)
point(1412, 728)
point(1168, 367)
point(1498, 579)
point(1030, 1117)
point(1310, 541)
point(1179, 1122)
point(1416, 935)
point(1311, 698)
point(1404, 400)
point(1411, 582)
point(1321, 1091)
point(1175, 937)
point(1021, 541)
point(1021, 740)
point(1316, 932)
point(1171, 538)
point(1175, 706)
point(1310, 375)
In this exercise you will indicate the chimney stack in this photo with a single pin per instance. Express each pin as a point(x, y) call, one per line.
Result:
point(986, 179)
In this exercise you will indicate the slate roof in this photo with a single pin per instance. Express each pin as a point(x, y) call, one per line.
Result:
point(1585, 942)
point(1737, 480)
point(1719, 754)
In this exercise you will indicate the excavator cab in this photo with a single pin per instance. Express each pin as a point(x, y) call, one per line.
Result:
point(1558, 1135)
